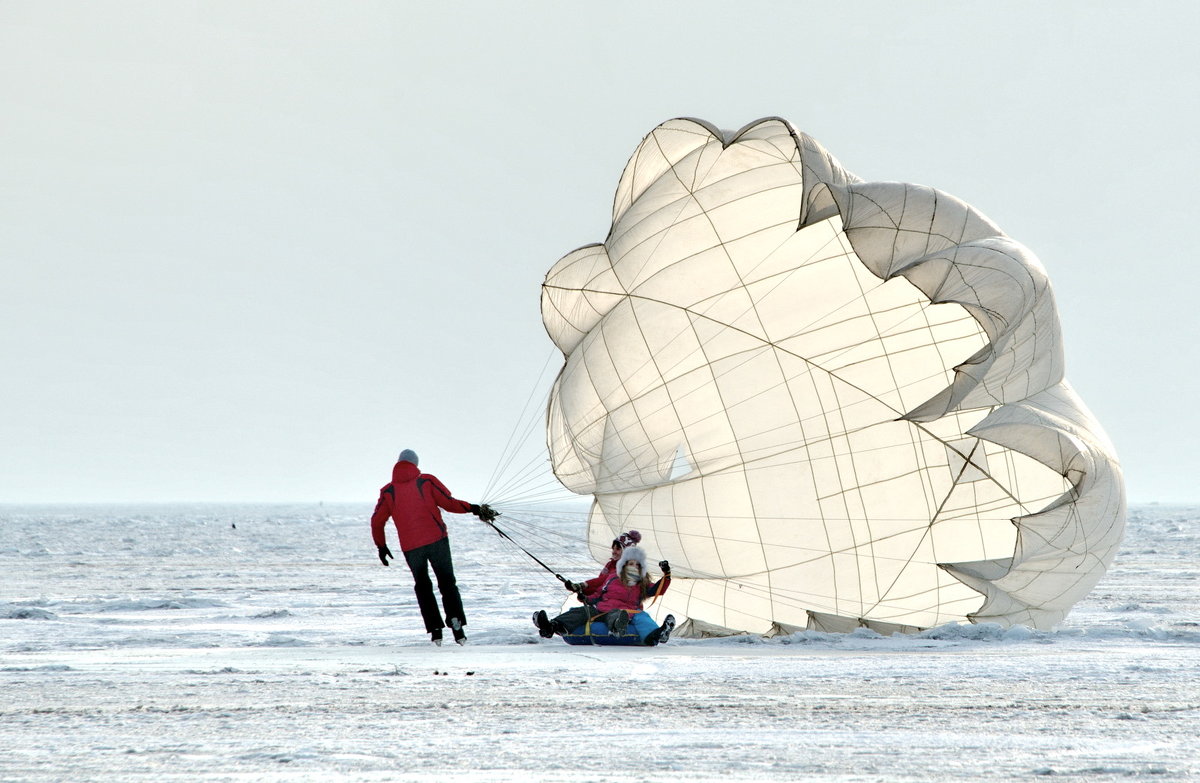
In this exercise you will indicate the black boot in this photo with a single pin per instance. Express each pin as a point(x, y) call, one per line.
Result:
point(662, 633)
point(456, 625)
point(545, 629)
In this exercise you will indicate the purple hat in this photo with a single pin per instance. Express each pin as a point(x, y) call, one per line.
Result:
point(632, 538)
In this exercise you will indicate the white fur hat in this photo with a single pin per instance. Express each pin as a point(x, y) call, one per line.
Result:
point(632, 553)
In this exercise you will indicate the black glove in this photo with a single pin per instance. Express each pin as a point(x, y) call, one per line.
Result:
point(571, 587)
point(384, 554)
point(665, 566)
point(484, 512)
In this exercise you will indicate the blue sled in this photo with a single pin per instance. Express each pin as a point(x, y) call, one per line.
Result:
point(597, 633)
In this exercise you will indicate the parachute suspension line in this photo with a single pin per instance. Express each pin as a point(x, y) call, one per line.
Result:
point(511, 449)
point(531, 526)
point(526, 483)
point(546, 497)
point(536, 485)
point(532, 556)
point(564, 548)
point(531, 479)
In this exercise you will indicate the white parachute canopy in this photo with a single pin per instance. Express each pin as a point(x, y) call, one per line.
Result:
point(828, 402)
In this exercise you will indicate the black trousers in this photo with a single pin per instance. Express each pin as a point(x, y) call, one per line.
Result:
point(438, 556)
point(579, 616)
point(575, 617)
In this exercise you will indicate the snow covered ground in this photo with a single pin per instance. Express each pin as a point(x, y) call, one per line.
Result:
point(207, 643)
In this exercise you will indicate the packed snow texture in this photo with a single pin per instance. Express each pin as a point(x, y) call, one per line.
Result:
point(207, 643)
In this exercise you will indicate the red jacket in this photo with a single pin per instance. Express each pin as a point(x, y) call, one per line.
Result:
point(414, 500)
point(592, 586)
point(617, 595)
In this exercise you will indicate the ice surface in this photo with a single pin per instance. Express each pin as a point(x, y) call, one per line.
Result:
point(207, 643)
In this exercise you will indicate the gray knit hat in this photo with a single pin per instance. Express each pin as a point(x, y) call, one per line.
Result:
point(408, 455)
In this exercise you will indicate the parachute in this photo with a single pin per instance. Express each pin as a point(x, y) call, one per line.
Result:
point(829, 403)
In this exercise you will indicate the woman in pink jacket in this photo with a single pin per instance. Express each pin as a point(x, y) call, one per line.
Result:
point(619, 601)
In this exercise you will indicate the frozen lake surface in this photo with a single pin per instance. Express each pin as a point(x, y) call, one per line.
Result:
point(232, 643)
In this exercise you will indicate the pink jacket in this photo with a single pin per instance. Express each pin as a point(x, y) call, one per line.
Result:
point(617, 595)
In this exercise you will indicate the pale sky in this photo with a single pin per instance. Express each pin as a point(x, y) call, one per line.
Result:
point(251, 250)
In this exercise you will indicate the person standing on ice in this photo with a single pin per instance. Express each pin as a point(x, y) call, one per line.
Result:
point(414, 501)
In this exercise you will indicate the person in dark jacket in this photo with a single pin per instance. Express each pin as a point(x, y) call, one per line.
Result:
point(414, 501)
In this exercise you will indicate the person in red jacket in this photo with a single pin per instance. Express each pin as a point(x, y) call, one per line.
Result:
point(414, 501)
